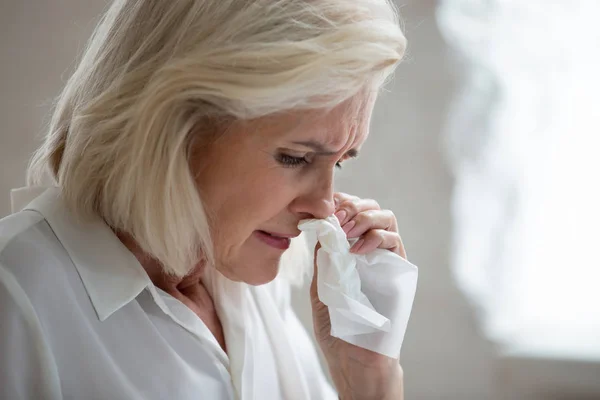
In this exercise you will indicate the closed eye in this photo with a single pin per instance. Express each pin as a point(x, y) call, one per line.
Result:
point(293, 162)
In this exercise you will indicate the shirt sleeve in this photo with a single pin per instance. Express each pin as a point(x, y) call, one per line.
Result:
point(27, 367)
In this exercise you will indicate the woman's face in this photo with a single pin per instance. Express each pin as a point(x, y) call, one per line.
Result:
point(261, 177)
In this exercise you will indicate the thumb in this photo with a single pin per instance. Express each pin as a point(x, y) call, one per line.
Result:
point(313, 285)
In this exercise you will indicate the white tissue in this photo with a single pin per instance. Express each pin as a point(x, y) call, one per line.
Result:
point(369, 296)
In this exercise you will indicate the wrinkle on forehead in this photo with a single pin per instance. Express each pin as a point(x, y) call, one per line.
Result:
point(348, 124)
point(338, 128)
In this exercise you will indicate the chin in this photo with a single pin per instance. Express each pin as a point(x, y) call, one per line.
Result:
point(261, 274)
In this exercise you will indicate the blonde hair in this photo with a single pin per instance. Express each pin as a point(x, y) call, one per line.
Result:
point(157, 74)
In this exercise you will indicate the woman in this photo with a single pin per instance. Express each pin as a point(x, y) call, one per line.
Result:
point(183, 152)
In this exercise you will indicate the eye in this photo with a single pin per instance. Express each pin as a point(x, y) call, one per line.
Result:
point(291, 161)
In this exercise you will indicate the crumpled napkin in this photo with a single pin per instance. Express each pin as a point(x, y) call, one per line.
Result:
point(369, 296)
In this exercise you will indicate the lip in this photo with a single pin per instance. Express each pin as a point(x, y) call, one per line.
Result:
point(282, 235)
point(279, 241)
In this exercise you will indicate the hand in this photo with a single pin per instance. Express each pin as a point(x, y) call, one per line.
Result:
point(359, 373)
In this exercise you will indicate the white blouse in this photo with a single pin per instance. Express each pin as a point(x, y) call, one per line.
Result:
point(80, 319)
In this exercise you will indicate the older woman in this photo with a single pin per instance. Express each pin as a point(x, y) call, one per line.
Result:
point(183, 152)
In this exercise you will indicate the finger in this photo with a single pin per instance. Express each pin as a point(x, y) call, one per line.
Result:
point(370, 219)
point(379, 239)
point(349, 207)
point(339, 197)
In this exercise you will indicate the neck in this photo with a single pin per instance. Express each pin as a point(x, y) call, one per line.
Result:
point(155, 271)
point(188, 289)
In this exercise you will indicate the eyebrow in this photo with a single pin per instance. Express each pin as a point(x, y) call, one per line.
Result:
point(321, 150)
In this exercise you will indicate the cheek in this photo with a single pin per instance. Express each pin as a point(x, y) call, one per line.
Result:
point(262, 205)
point(255, 201)
point(269, 196)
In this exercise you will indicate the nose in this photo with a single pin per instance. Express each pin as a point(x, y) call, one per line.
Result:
point(316, 199)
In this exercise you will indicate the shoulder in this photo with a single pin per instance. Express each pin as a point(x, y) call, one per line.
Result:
point(16, 226)
point(27, 366)
point(31, 254)
point(23, 236)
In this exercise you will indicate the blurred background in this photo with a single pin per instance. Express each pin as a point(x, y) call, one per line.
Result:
point(485, 145)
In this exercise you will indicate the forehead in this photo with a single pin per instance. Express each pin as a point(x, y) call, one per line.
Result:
point(345, 124)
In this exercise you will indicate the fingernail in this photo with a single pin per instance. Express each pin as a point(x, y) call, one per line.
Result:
point(348, 227)
point(341, 216)
point(357, 246)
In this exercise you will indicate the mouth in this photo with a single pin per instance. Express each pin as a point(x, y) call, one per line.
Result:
point(275, 240)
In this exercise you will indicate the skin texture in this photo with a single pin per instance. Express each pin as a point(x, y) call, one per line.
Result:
point(265, 175)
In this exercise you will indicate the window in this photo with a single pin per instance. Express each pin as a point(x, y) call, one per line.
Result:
point(523, 139)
